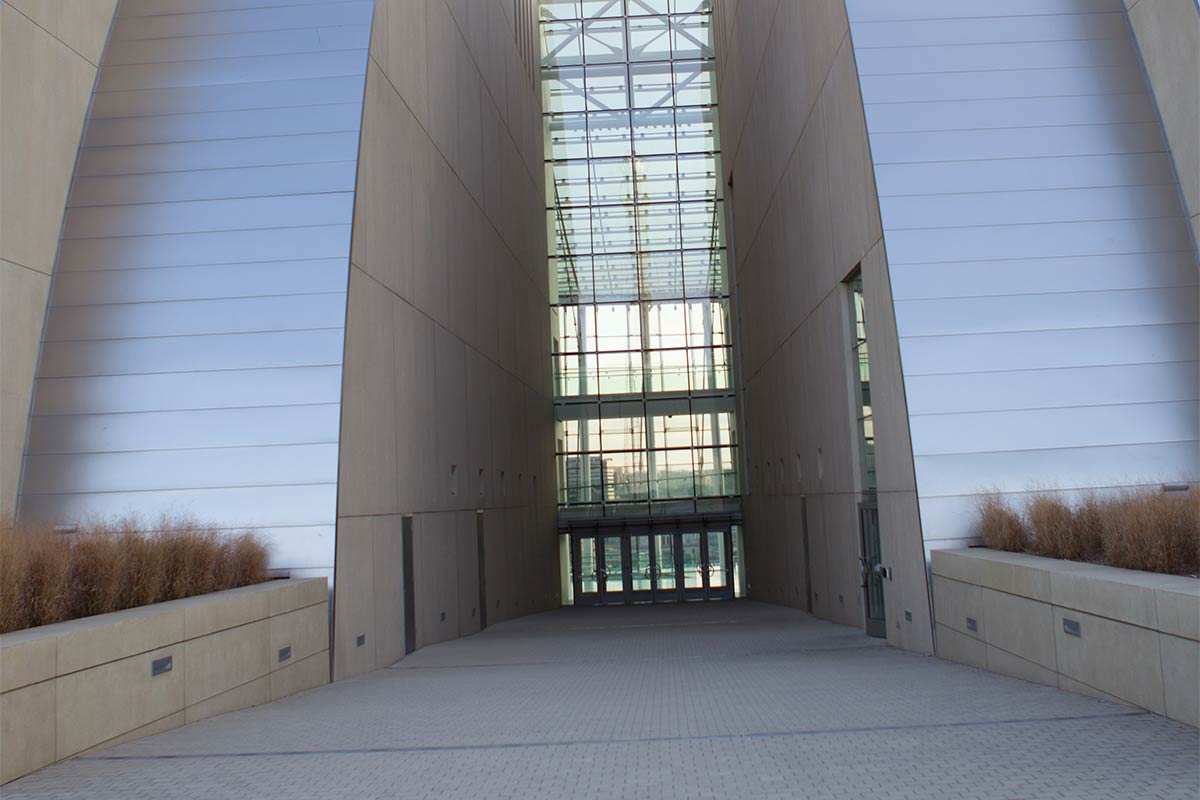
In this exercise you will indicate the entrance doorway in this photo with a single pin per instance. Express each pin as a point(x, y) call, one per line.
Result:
point(652, 565)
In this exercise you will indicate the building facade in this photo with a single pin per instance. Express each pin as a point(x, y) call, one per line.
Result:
point(464, 304)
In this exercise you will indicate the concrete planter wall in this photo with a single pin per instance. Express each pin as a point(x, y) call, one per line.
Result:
point(1114, 633)
point(93, 682)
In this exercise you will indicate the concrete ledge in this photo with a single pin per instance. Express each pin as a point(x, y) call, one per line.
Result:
point(1114, 633)
point(88, 683)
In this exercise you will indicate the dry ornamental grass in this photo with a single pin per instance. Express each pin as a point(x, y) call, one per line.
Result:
point(48, 577)
point(1143, 529)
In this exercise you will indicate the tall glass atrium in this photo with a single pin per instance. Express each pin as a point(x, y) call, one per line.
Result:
point(640, 302)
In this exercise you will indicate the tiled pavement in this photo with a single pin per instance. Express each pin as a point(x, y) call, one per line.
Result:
point(737, 700)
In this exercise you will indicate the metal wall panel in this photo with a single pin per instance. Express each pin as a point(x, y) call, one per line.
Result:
point(192, 355)
point(1045, 286)
point(336, 176)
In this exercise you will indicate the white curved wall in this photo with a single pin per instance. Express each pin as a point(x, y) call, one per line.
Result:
point(1045, 284)
point(192, 355)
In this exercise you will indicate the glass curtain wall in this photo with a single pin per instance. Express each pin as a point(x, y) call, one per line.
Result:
point(640, 315)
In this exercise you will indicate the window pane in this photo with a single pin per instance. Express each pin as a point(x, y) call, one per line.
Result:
point(695, 83)
point(651, 84)
point(666, 325)
point(691, 36)
point(559, 9)
point(612, 181)
point(565, 136)
point(704, 273)
point(575, 374)
point(608, 133)
point(620, 373)
point(568, 181)
point(671, 474)
point(707, 322)
point(649, 39)
point(616, 276)
point(562, 89)
point(709, 368)
point(619, 327)
point(666, 371)
point(662, 275)
point(654, 132)
point(657, 179)
point(561, 44)
point(612, 231)
point(570, 229)
point(698, 178)
point(699, 225)
point(574, 279)
point(607, 88)
point(697, 130)
point(604, 41)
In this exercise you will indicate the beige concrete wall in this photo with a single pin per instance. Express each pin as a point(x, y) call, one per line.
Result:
point(446, 390)
point(1168, 36)
point(86, 684)
point(1139, 639)
point(803, 215)
point(49, 53)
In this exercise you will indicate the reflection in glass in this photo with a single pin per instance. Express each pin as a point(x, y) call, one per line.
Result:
point(639, 288)
point(717, 577)
point(614, 580)
point(587, 566)
point(693, 564)
point(665, 561)
point(639, 554)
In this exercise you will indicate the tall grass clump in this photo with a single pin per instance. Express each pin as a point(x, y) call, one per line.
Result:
point(1058, 530)
point(48, 577)
point(1156, 532)
point(1143, 529)
point(1002, 527)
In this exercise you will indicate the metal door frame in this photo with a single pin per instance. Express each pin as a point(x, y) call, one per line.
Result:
point(871, 572)
point(627, 595)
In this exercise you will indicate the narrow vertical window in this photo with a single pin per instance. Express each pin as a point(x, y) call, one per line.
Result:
point(862, 370)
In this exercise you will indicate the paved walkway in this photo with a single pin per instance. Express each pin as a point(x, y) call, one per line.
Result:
point(736, 700)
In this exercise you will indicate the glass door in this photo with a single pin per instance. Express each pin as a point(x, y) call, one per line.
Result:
point(641, 568)
point(692, 568)
point(586, 571)
point(666, 587)
point(872, 569)
point(718, 563)
point(615, 570)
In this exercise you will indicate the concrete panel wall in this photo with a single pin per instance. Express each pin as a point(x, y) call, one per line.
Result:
point(1168, 37)
point(191, 361)
point(804, 215)
point(88, 683)
point(1128, 636)
point(447, 395)
point(49, 53)
point(1044, 282)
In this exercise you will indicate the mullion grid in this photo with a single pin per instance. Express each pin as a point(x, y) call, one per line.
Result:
point(643, 302)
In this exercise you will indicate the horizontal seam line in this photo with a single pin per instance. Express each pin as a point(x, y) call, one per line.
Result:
point(1021, 158)
point(1137, 93)
point(210, 169)
point(903, 337)
point(1053, 369)
point(256, 446)
point(961, 453)
point(1051, 408)
point(1046, 293)
point(1022, 224)
point(609, 742)
point(217, 139)
point(185, 411)
point(90, 492)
